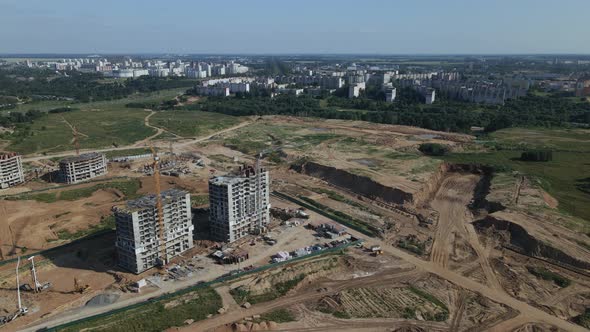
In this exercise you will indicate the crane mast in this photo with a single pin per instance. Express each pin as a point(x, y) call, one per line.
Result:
point(76, 143)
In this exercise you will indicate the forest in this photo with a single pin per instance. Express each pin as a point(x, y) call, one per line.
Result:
point(83, 87)
point(530, 111)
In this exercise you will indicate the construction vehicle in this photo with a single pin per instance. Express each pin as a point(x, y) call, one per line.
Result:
point(79, 288)
point(38, 286)
point(21, 310)
point(163, 259)
point(376, 250)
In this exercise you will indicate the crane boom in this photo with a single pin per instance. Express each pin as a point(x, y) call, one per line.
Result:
point(76, 143)
point(160, 212)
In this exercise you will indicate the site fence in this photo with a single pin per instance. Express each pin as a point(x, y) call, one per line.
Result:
point(324, 213)
point(204, 284)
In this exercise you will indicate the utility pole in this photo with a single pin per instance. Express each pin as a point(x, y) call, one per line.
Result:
point(20, 307)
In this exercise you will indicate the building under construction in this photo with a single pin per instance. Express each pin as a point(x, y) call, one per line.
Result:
point(83, 167)
point(140, 242)
point(239, 203)
point(11, 170)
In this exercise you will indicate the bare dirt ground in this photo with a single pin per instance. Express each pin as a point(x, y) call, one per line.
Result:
point(484, 286)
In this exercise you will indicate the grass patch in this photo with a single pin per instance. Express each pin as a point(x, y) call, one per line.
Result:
point(106, 223)
point(543, 273)
point(156, 316)
point(341, 314)
point(98, 129)
point(128, 188)
point(241, 295)
point(246, 146)
point(563, 177)
point(198, 200)
point(192, 123)
point(583, 319)
point(412, 245)
point(278, 316)
point(438, 316)
point(429, 297)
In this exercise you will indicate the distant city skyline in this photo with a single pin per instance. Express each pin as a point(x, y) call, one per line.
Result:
point(302, 27)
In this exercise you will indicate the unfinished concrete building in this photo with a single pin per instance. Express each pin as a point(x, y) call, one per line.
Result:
point(11, 170)
point(239, 204)
point(83, 167)
point(138, 230)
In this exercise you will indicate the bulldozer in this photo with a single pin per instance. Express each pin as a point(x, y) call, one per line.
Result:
point(79, 288)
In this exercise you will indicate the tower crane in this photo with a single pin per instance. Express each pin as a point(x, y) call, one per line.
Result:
point(163, 259)
point(76, 143)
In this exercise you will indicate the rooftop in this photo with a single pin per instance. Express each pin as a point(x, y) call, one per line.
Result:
point(82, 157)
point(7, 155)
point(149, 201)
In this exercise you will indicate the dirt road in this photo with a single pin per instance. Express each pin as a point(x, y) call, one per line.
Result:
point(451, 201)
point(532, 314)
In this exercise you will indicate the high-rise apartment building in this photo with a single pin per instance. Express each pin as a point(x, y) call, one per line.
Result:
point(138, 243)
point(83, 167)
point(239, 204)
point(11, 170)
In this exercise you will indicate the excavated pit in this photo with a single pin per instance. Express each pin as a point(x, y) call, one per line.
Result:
point(361, 185)
point(519, 239)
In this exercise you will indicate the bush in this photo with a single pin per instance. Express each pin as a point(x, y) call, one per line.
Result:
point(278, 316)
point(543, 273)
point(433, 149)
point(62, 110)
point(537, 155)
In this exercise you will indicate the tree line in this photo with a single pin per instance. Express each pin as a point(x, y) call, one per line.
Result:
point(83, 87)
point(447, 116)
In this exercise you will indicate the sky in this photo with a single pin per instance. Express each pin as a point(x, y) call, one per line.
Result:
point(295, 27)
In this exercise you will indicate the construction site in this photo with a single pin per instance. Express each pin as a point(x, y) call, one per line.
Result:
point(337, 225)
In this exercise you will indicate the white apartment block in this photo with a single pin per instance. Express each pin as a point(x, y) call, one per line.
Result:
point(390, 95)
point(212, 91)
point(11, 170)
point(138, 243)
point(239, 204)
point(430, 95)
point(83, 167)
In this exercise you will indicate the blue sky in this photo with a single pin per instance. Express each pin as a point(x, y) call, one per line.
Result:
point(303, 26)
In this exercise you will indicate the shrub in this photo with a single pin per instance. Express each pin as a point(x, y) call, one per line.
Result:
point(537, 155)
point(433, 149)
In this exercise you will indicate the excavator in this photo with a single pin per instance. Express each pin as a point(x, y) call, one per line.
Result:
point(79, 288)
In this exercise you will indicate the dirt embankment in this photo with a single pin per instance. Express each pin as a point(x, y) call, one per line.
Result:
point(361, 185)
point(311, 270)
point(518, 238)
point(432, 186)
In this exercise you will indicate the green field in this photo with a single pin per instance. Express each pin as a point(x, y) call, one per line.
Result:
point(98, 129)
point(151, 97)
point(564, 177)
point(156, 316)
point(101, 124)
point(192, 123)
